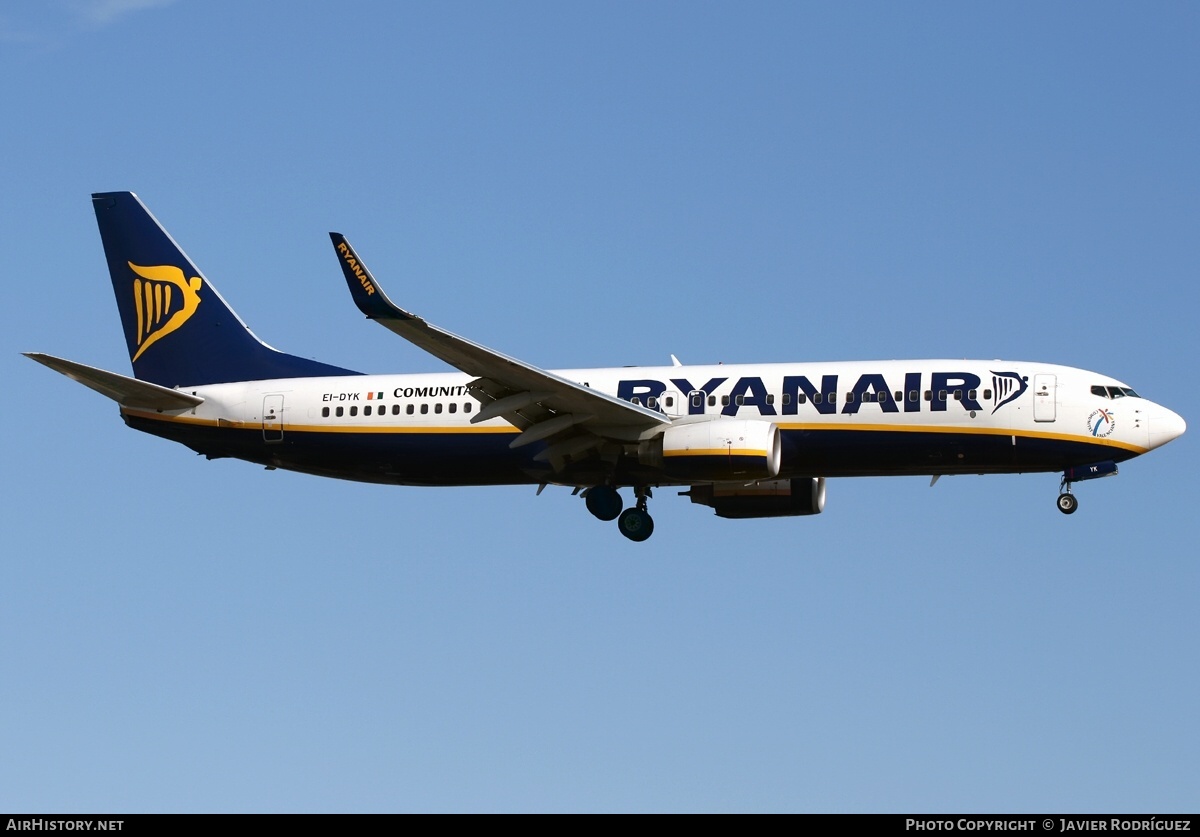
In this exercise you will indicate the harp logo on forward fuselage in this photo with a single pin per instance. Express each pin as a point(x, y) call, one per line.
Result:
point(163, 300)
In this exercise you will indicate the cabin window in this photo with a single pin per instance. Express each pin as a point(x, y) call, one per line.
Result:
point(787, 398)
point(832, 397)
point(367, 410)
point(817, 398)
point(914, 397)
point(899, 395)
point(928, 395)
point(354, 411)
point(633, 399)
point(958, 395)
point(801, 398)
point(724, 400)
point(651, 402)
point(850, 398)
point(340, 411)
point(712, 400)
point(941, 395)
point(987, 395)
point(770, 398)
point(410, 409)
point(467, 406)
point(324, 412)
point(738, 399)
point(395, 409)
point(453, 407)
point(883, 396)
point(424, 409)
point(971, 394)
point(698, 400)
point(669, 401)
point(437, 408)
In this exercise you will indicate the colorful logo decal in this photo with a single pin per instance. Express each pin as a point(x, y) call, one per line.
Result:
point(1007, 386)
point(163, 302)
point(1101, 423)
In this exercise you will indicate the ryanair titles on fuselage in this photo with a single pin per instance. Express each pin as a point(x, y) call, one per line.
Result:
point(870, 388)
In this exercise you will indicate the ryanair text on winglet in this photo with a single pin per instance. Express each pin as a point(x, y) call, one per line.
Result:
point(356, 267)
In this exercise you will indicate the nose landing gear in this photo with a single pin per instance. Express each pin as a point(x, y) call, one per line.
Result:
point(1067, 504)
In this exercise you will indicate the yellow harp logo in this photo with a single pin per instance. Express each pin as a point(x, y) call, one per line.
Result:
point(163, 302)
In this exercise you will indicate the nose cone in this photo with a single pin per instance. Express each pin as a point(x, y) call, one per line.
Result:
point(1165, 426)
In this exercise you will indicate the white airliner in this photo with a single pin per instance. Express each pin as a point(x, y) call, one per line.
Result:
point(750, 440)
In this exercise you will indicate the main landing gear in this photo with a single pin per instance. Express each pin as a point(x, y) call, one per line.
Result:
point(605, 503)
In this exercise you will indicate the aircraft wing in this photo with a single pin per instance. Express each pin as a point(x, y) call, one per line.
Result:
point(543, 405)
point(128, 392)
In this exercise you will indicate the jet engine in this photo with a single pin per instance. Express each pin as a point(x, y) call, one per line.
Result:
point(768, 498)
point(720, 449)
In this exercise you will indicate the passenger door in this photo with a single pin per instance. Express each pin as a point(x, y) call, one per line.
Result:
point(272, 418)
point(1044, 397)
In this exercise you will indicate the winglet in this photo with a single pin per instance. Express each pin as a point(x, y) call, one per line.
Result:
point(512, 382)
point(367, 294)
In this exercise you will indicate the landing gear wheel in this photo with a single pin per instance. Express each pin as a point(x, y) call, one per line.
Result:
point(635, 524)
point(1067, 503)
point(604, 502)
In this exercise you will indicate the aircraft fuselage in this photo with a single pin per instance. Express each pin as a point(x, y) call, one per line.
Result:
point(862, 418)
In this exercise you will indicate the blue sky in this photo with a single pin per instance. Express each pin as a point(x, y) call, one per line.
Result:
point(593, 185)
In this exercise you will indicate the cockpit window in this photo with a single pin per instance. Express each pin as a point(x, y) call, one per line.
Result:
point(1114, 392)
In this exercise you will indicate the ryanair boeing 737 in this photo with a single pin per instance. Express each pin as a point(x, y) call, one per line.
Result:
point(753, 440)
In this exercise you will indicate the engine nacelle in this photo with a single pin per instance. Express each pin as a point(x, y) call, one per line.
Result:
point(721, 449)
point(769, 498)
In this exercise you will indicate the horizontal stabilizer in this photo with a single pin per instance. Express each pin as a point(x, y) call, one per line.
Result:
point(128, 392)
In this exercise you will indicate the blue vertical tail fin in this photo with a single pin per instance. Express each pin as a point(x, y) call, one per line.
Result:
point(179, 330)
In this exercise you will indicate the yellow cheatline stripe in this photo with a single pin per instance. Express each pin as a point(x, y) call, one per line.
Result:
point(868, 428)
point(971, 431)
